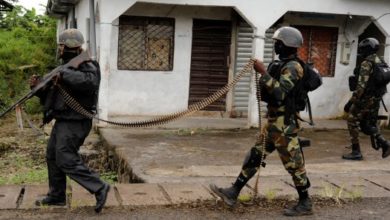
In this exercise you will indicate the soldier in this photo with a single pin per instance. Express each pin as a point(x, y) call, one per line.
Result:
point(282, 127)
point(364, 104)
point(70, 128)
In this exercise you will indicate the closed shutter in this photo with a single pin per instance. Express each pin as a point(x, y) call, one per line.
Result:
point(268, 47)
point(244, 53)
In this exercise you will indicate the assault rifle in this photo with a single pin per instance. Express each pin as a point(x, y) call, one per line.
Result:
point(75, 63)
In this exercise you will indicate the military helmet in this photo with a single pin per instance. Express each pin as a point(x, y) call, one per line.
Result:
point(71, 38)
point(368, 46)
point(291, 37)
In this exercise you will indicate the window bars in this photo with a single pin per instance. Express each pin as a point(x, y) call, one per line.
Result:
point(146, 43)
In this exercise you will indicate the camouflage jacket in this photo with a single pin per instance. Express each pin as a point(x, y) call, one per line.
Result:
point(365, 69)
point(278, 89)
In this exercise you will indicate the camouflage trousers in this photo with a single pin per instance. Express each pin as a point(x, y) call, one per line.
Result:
point(360, 111)
point(284, 139)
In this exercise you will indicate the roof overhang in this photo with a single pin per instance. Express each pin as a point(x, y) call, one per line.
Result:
point(5, 6)
point(59, 8)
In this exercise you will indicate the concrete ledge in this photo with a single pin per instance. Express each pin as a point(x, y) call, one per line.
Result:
point(187, 193)
point(9, 196)
point(31, 194)
point(141, 195)
point(81, 197)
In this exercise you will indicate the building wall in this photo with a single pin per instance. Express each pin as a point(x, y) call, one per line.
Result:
point(132, 92)
point(158, 92)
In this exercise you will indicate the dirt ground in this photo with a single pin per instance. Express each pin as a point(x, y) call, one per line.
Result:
point(324, 210)
point(23, 153)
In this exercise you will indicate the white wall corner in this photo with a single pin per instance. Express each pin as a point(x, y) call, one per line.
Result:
point(258, 53)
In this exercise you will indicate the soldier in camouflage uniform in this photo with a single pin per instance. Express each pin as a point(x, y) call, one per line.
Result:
point(281, 128)
point(364, 104)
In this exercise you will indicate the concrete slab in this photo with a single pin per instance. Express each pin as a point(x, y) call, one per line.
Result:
point(81, 197)
point(320, 187)
point(381, 180)
point(187, 193)
point(202, 155)
point(34, 192)
point(194, 122)
point(358, 187)
point(273, 187)
point(141, 195)
point(9, 196)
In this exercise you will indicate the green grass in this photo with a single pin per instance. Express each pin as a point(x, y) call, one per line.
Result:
point(109, 177)
point(28, 177)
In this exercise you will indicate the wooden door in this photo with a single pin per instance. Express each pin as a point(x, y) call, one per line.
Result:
point(209, 61)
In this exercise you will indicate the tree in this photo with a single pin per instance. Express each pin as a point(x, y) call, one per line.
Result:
point(26, 39)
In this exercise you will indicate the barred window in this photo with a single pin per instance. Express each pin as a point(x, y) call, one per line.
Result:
point(319, 47)
point(145, 43)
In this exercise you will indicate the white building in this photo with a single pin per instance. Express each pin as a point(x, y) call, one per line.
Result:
point(157, 56)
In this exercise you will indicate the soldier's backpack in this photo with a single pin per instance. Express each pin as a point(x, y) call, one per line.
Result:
point(380, 78)
point(298, 98)
point(310, 81)
point(377, 83)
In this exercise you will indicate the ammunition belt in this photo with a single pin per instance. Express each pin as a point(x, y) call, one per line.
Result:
point(74, 105)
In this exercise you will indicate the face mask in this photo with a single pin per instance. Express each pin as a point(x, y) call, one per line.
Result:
point(66, 54)
point(278, 46)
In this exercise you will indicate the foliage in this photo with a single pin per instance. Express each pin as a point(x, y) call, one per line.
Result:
point(28, 44)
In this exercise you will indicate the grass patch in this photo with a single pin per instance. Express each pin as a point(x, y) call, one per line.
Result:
point(29, 177)
point(270, 194)
point(22, 155)
point(109, 177)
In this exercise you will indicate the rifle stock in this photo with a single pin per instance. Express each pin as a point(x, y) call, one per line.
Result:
point(75, 62)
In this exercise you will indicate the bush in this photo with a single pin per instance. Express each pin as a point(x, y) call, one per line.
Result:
point(27, 46)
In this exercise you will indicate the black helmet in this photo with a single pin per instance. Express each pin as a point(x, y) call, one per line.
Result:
point(71, 38)
point(368, 46)
point(291, 37)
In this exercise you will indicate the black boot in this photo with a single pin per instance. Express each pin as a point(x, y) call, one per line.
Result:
point(304, 206)
point(355, 154)
point(101, 197)
point(384, 144)
point(386, 150)
point(229, 195)
point(50, 201)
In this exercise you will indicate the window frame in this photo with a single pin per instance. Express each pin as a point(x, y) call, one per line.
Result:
point(309, 42)
point(144, 21)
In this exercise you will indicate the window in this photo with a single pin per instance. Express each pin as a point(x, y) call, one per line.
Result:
point(319, 47)
point(145, 43)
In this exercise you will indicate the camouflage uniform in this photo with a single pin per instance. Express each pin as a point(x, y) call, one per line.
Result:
point(281, 136)
point(278, 85)
point(364, 105)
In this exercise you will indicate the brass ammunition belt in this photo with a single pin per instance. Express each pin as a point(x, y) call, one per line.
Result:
point(73, 104)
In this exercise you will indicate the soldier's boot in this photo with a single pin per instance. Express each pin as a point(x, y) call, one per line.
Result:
point(384, 144)
point(386, 150)
point(304, 206)
point(251, 163)
point(229, 194)
point(355, 154)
